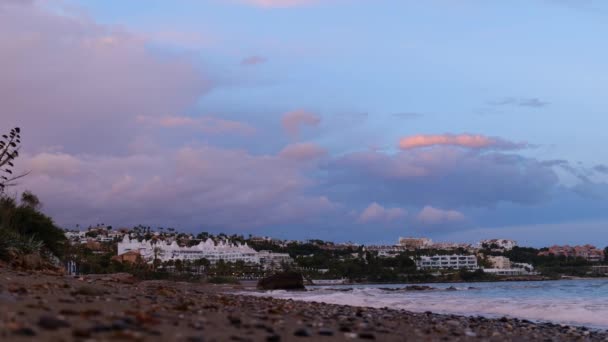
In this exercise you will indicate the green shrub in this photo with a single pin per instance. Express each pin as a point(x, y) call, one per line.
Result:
point(25, 230)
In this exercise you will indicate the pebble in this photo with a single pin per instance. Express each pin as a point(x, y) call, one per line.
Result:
point(52, 323)
point(195, 339)
point(273, 338)
point(234, 320)
point(25, 332)
point(302, 333)
point(453, 323)
point(326, 332)
point(82, 333)
point(367, 336)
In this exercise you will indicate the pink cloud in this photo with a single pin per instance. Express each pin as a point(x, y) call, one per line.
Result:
point(302, 152)
point(253, 60)
point(433, 216)
point(206, 124)
point(475, 141)
point(377, 213)
point(228, 188)
point(54, 164)
point(93, 80)
point(293, 121)
point(176, 121)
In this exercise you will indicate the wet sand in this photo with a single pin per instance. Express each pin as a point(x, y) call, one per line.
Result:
point(47, 307)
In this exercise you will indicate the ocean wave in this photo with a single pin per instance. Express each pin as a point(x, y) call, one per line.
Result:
point(552, 302)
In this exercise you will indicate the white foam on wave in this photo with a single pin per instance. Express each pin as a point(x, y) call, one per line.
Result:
point(575, 310)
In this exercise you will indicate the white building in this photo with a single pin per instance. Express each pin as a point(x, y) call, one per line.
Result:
point(208, 249)
point(504, 244)
point(415, 243)
point(506, 271)
point(453, 261)
point(500, 262)
point(387, 254)
point(503, 266)
point(274, 261)
point(523, 265)
point(74, 234)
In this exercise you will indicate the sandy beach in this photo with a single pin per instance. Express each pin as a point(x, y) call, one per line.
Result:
point(48, 307)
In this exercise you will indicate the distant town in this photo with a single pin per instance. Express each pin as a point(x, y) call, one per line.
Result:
point(168, 252)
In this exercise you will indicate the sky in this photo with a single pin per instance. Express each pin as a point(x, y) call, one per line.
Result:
point(345, 120)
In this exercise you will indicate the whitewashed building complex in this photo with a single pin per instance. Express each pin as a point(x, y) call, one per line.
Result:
point(208, 249)
point(447, 262)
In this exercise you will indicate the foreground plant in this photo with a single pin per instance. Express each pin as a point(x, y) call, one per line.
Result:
point(9, 150)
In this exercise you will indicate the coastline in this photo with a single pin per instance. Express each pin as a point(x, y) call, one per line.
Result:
point(45, 307)
point(509, 279)
point(452, 300)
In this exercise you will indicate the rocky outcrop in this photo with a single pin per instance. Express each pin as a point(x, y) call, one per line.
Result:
point(282, 281)
point(125, 278)
point(32, 262)
point(418, 288)
point(409, 288)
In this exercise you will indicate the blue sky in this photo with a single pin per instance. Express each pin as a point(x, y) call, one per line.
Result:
point(360, 76)
point(446, 60)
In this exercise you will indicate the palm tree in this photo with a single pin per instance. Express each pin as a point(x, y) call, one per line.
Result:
point(201, 263)
point(158, 252)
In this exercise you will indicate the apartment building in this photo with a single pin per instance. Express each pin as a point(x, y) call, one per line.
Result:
point(587, 252)
point(453, 261)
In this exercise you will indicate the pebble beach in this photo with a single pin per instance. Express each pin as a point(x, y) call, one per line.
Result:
point(39, 306)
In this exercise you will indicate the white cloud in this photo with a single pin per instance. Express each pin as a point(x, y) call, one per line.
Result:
point(433, 216)
point(377, 213)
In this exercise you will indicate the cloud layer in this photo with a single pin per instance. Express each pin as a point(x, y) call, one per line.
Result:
point(65, 75)
point(209, 125)
point(445, 176)
point(294, 121)
point(303, 152)
point(532, 102)
point(433, 216)
point(379, 214)
point(200, 186)
point(462, 140)
point(119, 130)
point(253, 60)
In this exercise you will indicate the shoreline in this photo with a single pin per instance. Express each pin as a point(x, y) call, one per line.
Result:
point(45, 307)
point(541, 278)
point(600, 329)
point(482, 317)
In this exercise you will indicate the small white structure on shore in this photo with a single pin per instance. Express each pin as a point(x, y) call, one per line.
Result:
point(208, 249)
point(507, 271)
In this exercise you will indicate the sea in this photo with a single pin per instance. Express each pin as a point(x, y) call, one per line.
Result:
point(580, 302)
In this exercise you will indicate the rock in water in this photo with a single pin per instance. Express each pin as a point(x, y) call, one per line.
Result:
point(282, 281)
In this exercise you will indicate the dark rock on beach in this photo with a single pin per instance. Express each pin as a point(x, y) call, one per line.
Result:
point(418, 288)
point(282, 281)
